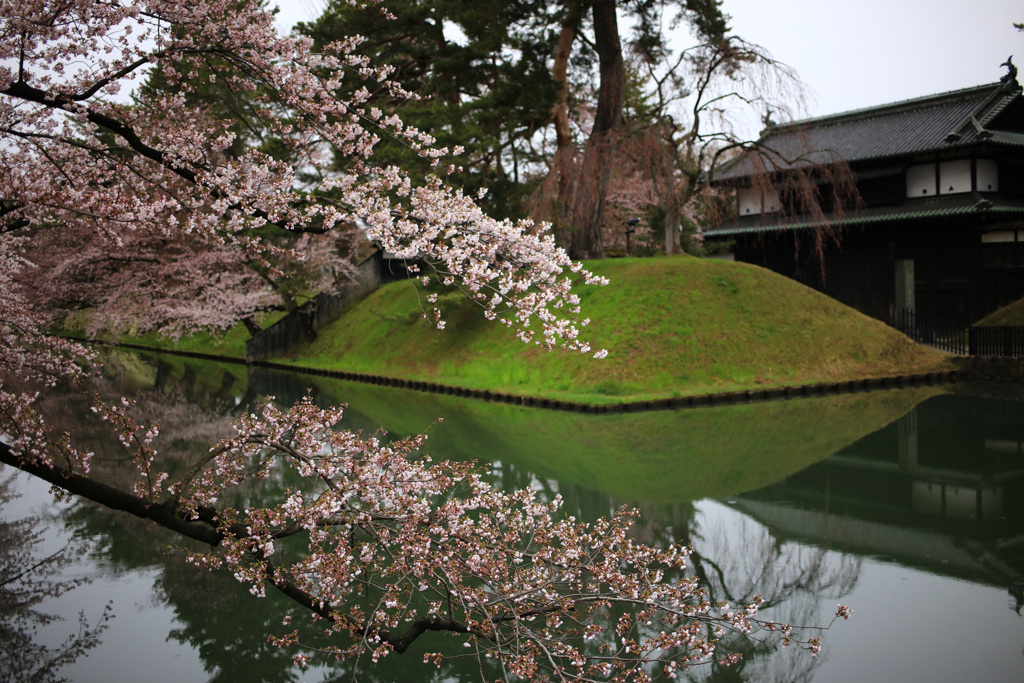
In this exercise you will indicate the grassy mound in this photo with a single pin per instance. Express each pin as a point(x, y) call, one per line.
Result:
point(1009, 315)
point(672, 326)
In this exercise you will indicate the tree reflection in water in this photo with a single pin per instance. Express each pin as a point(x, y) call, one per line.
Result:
point(29, 576)
point(218, 619)
point(736, 558)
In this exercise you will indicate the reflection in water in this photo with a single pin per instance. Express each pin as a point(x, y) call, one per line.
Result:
point(941, 489)
point(736, 558)
point(29, 575)
point(660, 456)
point(936, 488)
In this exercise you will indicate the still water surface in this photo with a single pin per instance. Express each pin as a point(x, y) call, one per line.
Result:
point(906, 505)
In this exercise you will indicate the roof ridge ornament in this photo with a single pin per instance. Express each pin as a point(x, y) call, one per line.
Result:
point(1009, 79)
point(993, 105)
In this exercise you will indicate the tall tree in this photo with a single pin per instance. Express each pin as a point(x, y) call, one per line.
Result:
point(493, 86)
point(577, 187)
point(689, 111)
point(585, 221)
point(378, 545)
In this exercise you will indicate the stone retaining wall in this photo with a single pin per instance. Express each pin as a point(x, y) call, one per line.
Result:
point(778, 393)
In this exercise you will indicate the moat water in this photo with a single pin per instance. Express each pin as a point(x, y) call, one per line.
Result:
point(907, 505)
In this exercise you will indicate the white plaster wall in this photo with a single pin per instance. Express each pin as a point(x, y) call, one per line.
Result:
point(988, 176)
point(749, 201)
point(921, 181)
point(955, 176)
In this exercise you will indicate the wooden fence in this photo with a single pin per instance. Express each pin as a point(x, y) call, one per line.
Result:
point(960, 338)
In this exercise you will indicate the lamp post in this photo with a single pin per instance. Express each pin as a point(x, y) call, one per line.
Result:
point(630, 229)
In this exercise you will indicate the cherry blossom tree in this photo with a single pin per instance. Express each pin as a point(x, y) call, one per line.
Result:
point(140, 281)
point(373, 539)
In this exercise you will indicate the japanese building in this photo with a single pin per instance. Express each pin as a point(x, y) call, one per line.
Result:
point(938, 227)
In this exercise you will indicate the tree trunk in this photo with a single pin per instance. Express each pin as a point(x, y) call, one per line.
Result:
point(588, 210)
point(612, 89)
point(667, 190)
point(251, 326)
point(563, 167)
point(559, 73)
point(673, 245)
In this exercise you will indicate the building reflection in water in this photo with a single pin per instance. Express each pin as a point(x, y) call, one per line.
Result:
point(939, 489)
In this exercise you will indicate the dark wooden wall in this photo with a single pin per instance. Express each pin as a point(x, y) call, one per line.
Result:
point(957, 277)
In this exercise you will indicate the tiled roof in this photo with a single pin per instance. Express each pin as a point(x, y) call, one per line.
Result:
point(952, 206)
point(898, 129)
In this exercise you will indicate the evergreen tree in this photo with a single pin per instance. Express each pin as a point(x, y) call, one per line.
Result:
point(480, 79)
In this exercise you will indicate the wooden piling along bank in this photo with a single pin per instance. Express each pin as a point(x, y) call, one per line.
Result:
point(983, 369)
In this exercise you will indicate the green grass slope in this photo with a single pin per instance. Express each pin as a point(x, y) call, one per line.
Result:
point(1010, 315)
point(672, 326)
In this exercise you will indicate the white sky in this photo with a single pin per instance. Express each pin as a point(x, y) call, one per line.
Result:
point(867, 52)
point(863, 52)
point(294, 11)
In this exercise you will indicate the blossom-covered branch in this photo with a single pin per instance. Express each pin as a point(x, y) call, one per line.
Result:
point(73, 154)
